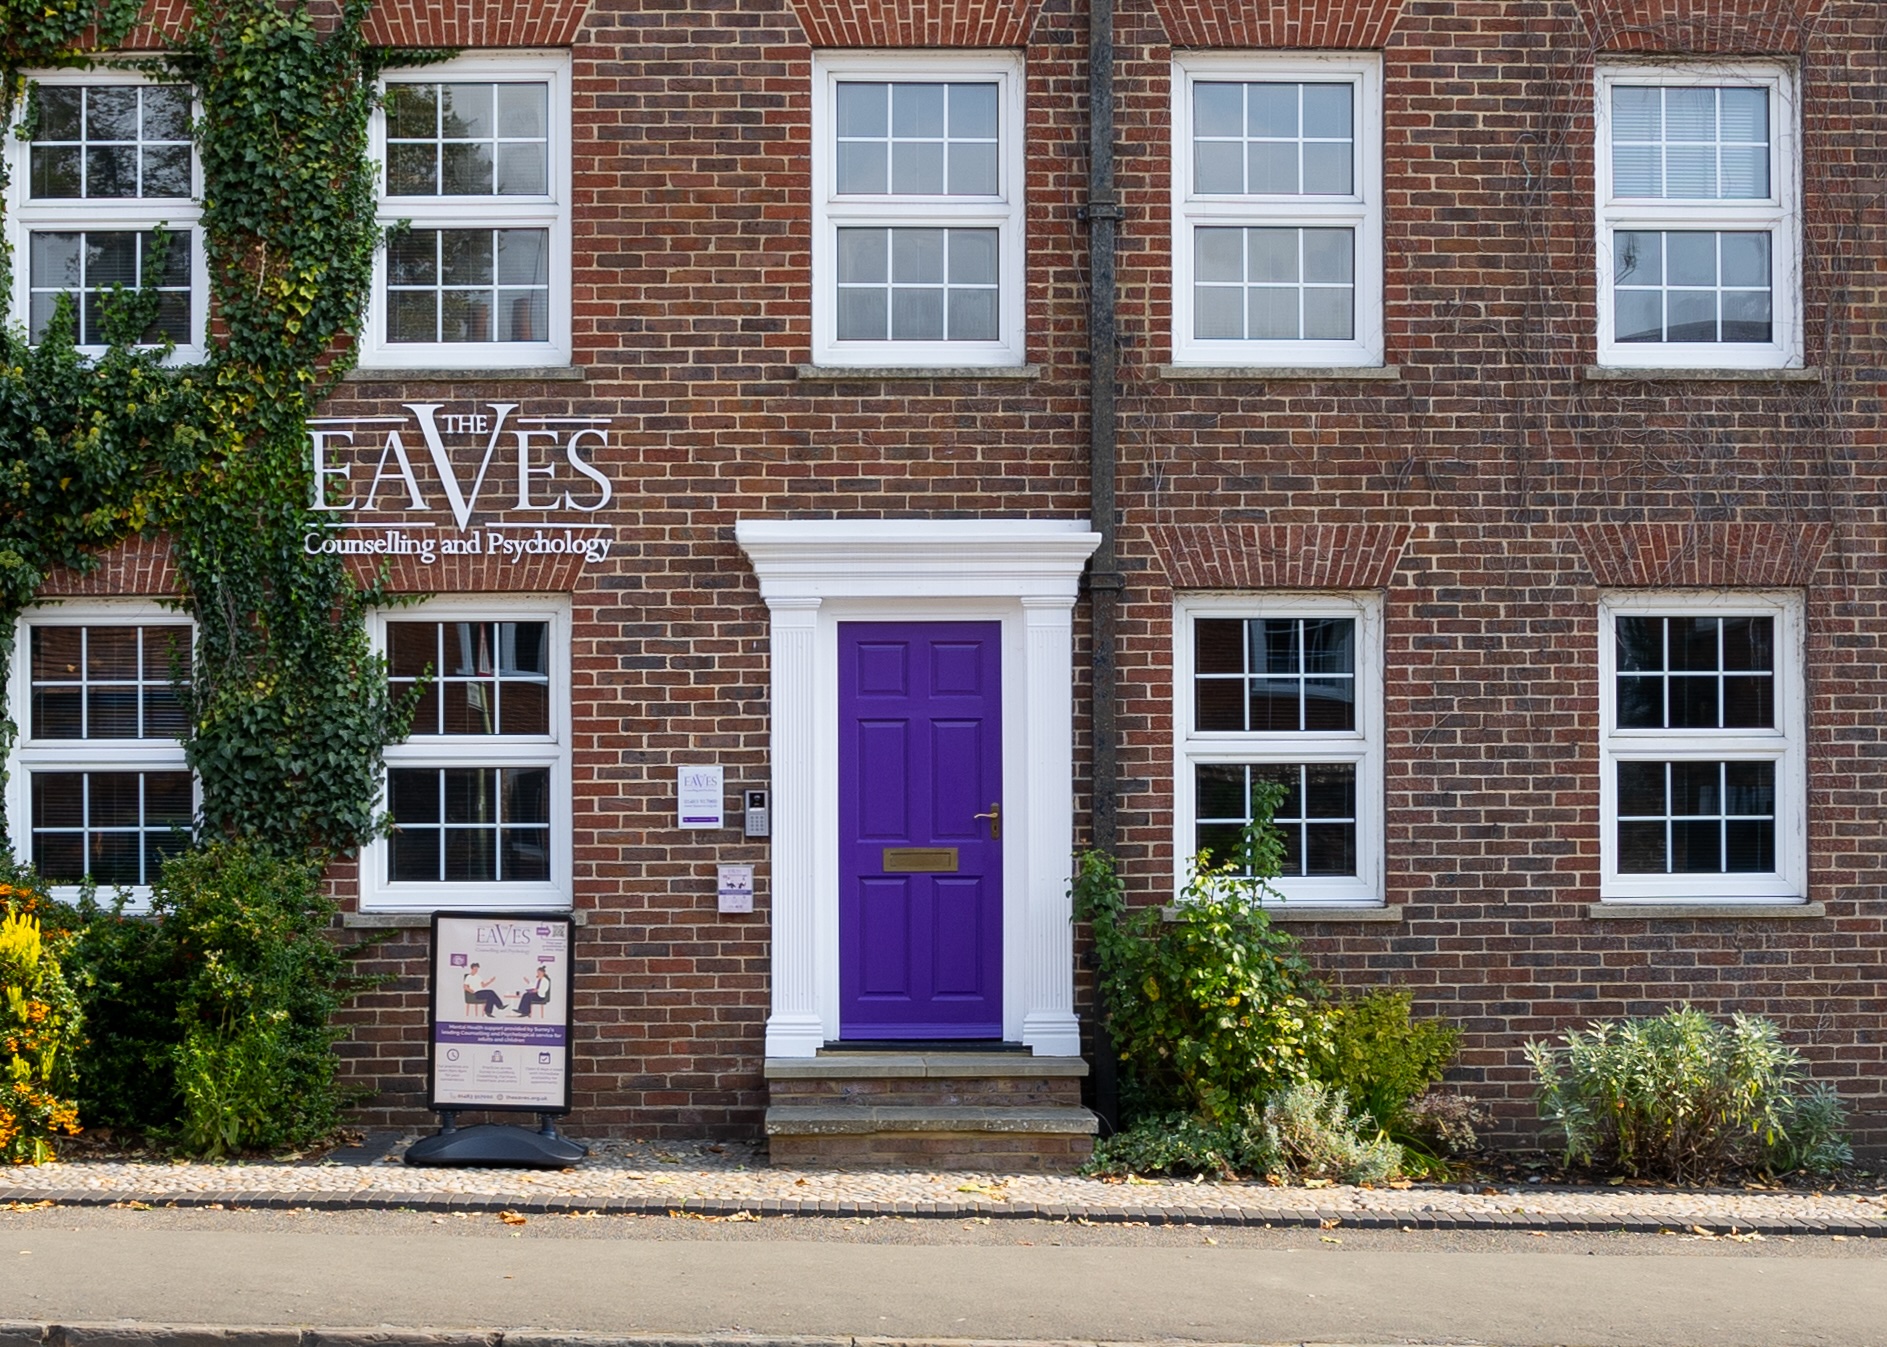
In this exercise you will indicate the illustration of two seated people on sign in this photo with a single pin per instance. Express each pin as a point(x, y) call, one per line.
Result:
point(480, 998)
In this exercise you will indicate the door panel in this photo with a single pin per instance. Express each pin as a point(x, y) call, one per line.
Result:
point(920, 899)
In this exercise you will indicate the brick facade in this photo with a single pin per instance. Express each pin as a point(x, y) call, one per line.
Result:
point(1489, 491)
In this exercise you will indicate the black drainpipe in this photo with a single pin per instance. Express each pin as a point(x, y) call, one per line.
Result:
point(1103, 215)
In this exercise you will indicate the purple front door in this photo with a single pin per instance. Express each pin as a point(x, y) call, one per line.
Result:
point(920, 874)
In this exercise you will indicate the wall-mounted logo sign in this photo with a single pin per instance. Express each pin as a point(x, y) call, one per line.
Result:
point(507, 482)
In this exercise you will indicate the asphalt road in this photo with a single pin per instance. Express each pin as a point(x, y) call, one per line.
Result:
point(930, 1279)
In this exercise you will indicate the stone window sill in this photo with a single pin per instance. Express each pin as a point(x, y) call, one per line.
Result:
point(532, 374)
point(1280, 373)
point(1293, 912)
point(394, 921)
point(1619, 374)
point(854, 373)
point(1704, 911)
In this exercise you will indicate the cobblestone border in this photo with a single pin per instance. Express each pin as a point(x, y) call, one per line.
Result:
point(1205, 1213)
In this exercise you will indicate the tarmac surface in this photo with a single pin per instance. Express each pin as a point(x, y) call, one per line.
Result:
point(679, 1244)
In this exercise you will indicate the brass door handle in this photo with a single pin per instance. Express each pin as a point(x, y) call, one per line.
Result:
point(995, 819)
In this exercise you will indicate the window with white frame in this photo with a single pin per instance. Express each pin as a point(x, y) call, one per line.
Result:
point(1699, 228)
point(917, 209)
point(475, 192)
point(102, 212)
point(479, 792)
point(1702, 787)
point(98, 787)
point(1277, 210)
point(1283, 691)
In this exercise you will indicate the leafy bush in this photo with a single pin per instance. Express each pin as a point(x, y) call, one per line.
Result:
point(1808, 1138)
point(213, 1017)
point(1686, 1098)
point(1178, 1143)
point(1211, 1009)
point(255, 1065)
point(40, 1030)
point(1310, 1133)
point(129, 979)
point(1441, 1124)
point(1304, 1131)
point(1380, 1057)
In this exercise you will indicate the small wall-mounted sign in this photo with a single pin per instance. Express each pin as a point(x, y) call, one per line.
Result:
point(698, 796)
point(735, 886)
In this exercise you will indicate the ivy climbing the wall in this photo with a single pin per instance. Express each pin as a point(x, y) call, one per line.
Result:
point(288, 702)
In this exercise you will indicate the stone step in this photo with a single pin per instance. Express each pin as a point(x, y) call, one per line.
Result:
point(1055, 1138)
point(856, 1119)
point(837, 1064)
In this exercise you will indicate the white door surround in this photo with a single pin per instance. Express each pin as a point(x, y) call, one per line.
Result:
point(1022, 573)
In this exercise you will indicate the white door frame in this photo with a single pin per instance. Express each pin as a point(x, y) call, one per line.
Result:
point(1023, 574)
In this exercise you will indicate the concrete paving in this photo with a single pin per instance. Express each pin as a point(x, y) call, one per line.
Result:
point(650, 1243)
point(67, 1275)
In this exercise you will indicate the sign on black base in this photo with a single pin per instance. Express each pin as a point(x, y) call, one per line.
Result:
point(500, 1039)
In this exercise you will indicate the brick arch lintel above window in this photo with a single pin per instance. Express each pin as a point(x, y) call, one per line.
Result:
point(1278, 556)
point(482, 24)
point(1294, 25)
point(952, 24)
point(403, 23)
point(1699, 27)
point(138, 567)
point(1703, 555)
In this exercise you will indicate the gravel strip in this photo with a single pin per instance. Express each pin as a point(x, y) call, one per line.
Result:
point(722, 1178)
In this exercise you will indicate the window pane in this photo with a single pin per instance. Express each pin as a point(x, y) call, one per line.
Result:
point(413, 795)
point(917, 315)
point(523, 170)
point(1276, 705)
point(917, 256)
point(864, 256)
point(412, 110)
point(863, 169)
point(61, 112)
point(1218, 109)
point(1641, 790)
point(972, 257)
point(863, 110)
point(1218, 167)
point(1219, 704)
point(1219, 791)
point(1329, 704)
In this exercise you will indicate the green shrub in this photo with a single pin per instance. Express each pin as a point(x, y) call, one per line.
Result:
point(212, 1018)
point(255, 1066)
point(129, 979)
point(1178, 1143)
point(1808, 1138)
point(1310, 1133)
point(1210, 1008)
point(1685, 1098)
point(40, 1030)
point(1380, 1057)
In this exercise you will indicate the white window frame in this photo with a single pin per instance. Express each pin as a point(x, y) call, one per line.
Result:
point(30, 755)
point(551, 212)
point(98, 215)
point(1362, 747)
point(380, 894)
point(1360, 211)
point(1785, 745)
point(1780, 215)
point(1003, 212)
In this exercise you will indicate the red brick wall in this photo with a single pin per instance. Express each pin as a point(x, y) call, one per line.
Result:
point(1490, 491)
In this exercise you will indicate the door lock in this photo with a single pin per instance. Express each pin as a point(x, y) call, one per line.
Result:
point(995, 820)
